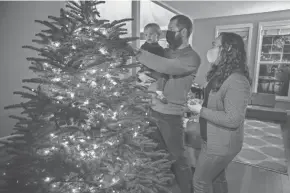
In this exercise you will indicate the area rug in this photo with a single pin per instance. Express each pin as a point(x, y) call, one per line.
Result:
point(263, 147)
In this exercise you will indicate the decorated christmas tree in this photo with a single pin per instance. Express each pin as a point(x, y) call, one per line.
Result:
point(84, 126)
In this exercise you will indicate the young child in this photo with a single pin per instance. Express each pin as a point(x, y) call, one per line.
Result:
point(152, 33)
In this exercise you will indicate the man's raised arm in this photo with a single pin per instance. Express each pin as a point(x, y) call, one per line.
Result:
point(176, 66)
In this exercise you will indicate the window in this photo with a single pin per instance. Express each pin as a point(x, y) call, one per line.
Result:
point(117, 10)
point(150, 12)
point(273, 59)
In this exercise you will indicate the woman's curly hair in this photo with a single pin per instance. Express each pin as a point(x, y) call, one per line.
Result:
point(232, 58)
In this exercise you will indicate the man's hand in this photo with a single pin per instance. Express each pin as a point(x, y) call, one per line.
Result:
point(186, 109)
point(145, 78)
point(137, 53)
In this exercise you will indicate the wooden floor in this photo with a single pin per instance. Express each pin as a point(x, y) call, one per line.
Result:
point(247, 179)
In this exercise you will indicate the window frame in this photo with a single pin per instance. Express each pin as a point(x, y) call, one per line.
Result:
point(262, 26)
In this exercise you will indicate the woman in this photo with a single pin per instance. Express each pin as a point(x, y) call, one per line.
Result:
point(222, 113)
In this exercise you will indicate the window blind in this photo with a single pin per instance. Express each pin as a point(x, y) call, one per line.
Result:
point(281, 30)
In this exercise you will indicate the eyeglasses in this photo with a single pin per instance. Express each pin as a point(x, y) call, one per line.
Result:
point(175, 31)
point(216, 46)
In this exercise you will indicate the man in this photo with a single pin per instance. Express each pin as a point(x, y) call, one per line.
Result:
point(181, 63)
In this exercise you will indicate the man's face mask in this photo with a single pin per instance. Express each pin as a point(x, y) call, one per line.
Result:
point(173, 40)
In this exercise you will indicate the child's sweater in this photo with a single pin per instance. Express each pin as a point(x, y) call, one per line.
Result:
point(153, 48)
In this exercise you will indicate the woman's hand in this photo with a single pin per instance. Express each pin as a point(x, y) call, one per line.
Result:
point(194, 107)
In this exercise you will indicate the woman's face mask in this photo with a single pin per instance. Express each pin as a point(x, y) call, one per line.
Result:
point(213, 54)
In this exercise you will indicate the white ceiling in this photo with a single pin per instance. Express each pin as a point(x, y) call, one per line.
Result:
point(208, 9)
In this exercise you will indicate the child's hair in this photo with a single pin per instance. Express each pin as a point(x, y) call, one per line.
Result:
point(154, 26)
